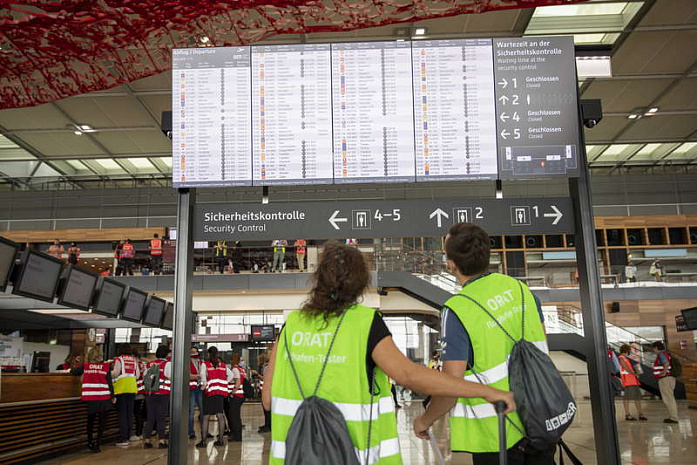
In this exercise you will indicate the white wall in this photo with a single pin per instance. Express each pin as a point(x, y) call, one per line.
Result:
point(58, 352)
point(568, 363)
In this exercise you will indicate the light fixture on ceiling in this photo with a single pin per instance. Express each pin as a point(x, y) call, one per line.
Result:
point(77, 132)
point(86, 127)
point(633, 116)
point(651, 111)
point(420, 31)
point(204, 39)
point(589, 66)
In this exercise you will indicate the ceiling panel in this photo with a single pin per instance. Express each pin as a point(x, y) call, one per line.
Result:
point(60, 144)
point(151, 141)
point(682, 97)
point(668, 12)
point(624, 96)
point(123, 111)
point(85, 110)
point(157, 82)
point(659, 127)
point(118, 142)
point(606, 130)
point(40, 117)
point(157, 104)
point(494, 21)
point(656, 52)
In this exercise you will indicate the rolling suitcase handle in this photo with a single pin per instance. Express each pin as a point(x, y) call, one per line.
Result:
point(503, 452)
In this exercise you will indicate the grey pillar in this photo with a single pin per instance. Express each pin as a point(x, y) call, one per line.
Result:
point(602, 401)
point(183, 322)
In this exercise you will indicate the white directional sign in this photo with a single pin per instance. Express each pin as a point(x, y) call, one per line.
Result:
point(380, 218)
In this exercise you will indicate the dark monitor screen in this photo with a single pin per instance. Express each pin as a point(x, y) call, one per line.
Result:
point(109, 297)
point(690, 316)
point(133, 305)
point(39, 276)
point(263, 333)
point(168, 320)
point(78, 288)
point(8, 251)
point(154, 312)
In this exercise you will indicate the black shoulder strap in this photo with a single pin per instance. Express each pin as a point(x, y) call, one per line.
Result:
point(564, 448)
point(324, 365)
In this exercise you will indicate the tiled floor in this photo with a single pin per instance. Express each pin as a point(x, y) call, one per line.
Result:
point(641, 443)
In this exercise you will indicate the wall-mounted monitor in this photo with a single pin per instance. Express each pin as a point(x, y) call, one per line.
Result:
point(263, 333)
point(172, 234)
point(8, 252)
point(168, 320)
point(690, 317)
point(38, 276)
point(109, 297)
point(154, 311)
point(134, 305)
point(78, 288)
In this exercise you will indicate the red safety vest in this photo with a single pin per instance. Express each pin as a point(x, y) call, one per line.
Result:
point(128, 366)
point(629, 377)
point(658, 366)
point(155, 246)
point(56, 251)
point(165, 386)
point(300, 244)
point(74, 251)
point(231, 385)
point(193, 370)
point(216, 380)
point(141, 376)
point(128, 251)
point(94, 381)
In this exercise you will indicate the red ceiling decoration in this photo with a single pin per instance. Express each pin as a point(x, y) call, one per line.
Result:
point(54, 49)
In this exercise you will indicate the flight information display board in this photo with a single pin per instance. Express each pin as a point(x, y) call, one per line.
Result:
point(432, 110)
point(291, 114)
point(211, 119)
point(455, 117)
point(373, 112)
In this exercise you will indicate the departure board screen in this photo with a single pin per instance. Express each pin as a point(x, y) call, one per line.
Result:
point(291, 113)
point(373, 112)
point(454, 113)
point(211, 118)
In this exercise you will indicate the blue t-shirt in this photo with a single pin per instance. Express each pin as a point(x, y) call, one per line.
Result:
point(456, 343)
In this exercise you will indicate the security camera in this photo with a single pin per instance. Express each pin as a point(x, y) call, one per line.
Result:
point(590, 123)
point(591, 112)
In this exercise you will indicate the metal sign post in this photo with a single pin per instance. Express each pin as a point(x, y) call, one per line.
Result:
point(595, 337)
point(183, 322)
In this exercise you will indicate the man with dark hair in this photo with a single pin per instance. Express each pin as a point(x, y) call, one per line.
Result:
point(666, 381)
point(156, 254)
point(476, 348)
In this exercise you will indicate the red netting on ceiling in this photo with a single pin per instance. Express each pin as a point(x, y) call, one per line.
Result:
point(54, 49)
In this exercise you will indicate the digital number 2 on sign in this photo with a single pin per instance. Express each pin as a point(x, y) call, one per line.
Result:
point(437, 110)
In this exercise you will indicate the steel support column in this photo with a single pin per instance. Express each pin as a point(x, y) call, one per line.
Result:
point(602, 402)
point(183, 322)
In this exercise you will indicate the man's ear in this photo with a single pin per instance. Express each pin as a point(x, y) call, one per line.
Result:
point(451, 266)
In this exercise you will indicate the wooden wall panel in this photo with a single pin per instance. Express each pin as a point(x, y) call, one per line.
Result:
point(84, 235)
point(22, 387)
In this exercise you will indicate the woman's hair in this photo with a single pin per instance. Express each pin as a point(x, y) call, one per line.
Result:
point(125, 349)
point(94, 355)
point(162, 351)
point(625, 349)
point(213, 356)
point(235, 359)
point(340, 279)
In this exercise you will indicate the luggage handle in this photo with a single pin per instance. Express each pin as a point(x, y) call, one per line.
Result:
point(500, 407)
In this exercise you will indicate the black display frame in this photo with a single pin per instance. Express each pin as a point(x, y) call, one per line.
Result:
point(169, 310)
point(685, 319)
point(6, 282)
point(125, 300)
point(23, 268)
point(98, 294)
point(147, 310)
point(254, 339)
point(67, 271)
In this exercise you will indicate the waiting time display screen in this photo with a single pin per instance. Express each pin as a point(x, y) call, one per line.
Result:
point(154, 312)
point(7, 259)
point(134, 305)
point(79, 288)
point(109, 299)
point(39, 277)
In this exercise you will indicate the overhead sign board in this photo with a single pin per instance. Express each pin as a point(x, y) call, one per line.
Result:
point(379, 218)
point(435, 110)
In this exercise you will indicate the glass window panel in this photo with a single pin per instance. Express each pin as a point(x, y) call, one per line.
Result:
point(581, 10)
point(140, 163)
point(108, 164)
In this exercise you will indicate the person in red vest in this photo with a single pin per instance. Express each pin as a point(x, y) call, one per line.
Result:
point(73, 253)
point(215, 377)
point(139, 404)
point(56, 249)
point(666, 381)
point(195, 393)
point(630, 383)
point(128, 254)
point(236, 399)
point(118, 266)
point(125, 374)
point(97, 394)
point(156, 254)
point(300, 253)
point(157, 402)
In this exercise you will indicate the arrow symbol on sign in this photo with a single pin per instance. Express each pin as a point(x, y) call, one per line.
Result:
point(504, 116)
point(503, 99)
point(503, 83)
point(505, 134)
point(333, 220)
point(439, 215)
point(556, 215)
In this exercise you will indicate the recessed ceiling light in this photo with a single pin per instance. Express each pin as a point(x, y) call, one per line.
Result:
point(85, 127)
point(420, 31)
point(633, 116)
point(77, 133)
point(204, 39)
